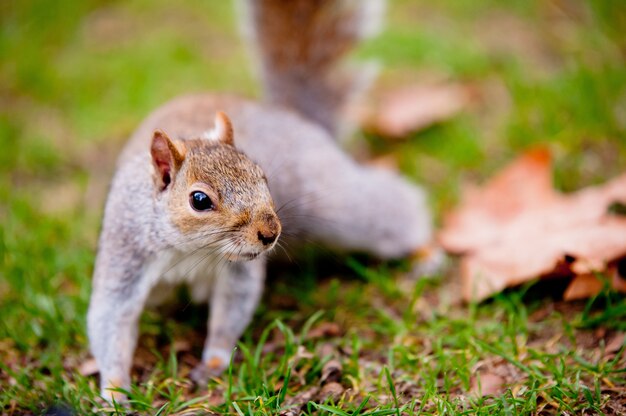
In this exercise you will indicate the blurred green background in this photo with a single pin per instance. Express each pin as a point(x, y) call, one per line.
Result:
point(76, 77)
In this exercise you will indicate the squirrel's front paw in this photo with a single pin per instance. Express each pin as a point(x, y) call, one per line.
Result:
point(214, 364)
point(111, 394)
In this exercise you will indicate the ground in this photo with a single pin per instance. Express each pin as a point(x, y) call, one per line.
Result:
point(335, 334)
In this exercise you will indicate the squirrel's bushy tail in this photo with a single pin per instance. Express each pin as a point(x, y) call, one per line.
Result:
point(301, 46)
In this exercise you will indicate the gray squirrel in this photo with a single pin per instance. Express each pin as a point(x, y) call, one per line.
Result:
point(196, 197)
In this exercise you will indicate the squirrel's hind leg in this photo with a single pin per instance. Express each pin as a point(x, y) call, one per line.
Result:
point(234, 298)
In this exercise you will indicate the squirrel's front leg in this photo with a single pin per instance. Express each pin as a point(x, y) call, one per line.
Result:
point(114, 310)
point(234, 299)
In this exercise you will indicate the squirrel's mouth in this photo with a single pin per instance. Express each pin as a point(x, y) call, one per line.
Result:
point(242, 256)
point(243, 250)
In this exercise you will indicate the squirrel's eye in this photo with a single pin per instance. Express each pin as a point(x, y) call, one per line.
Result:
point(200, 201)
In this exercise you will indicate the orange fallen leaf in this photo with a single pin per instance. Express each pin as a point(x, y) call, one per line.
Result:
point(587, 285)
point(412, 108)
point(524, 185)
point(517, 228)
point(581, 286)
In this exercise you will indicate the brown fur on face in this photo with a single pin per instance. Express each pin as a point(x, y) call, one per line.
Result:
point(243, 218)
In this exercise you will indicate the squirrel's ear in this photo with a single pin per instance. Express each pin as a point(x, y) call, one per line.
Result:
point(223, 130)
point(167, 157)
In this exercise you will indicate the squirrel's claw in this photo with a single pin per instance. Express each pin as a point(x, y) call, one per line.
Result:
point(212, 367)
point(111, 396)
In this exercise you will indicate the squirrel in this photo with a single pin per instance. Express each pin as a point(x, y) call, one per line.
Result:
point(191, 202)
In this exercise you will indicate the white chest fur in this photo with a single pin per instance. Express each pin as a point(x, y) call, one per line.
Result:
point(169, 268)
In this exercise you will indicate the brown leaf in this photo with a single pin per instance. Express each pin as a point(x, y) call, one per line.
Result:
point(583, 286)
point(524, 185)
point(516, 228)
point(331, 391)
point(522, 255)
point(586, 284)
point(617, 271)
point(412, 108)
point(182, 345)
point(303, 397)
point(487, 384)
point(332, 370)
point(615, 343)
point(324, 330)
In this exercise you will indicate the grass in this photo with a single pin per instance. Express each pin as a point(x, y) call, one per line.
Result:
point(333, 337)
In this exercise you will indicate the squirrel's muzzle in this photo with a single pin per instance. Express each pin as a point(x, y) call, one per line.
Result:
point(268, 229)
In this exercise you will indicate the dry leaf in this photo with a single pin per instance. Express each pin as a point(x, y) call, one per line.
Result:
point(303, 397)
point(411, 108)
point(586, 284)
point(324, 330)
point(615, 343)
point(332, 369)
point(524, 185)
point(487, 384)
point(581, 286)
point(331, 391)
point(517, 227)
point(182, 345)
point(331, 372)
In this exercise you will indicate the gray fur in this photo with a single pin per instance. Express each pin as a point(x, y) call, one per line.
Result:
point(327, 197)
point(142, 254)
point(320, 194)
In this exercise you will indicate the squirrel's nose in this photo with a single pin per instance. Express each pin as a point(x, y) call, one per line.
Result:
point(267, 237)
point(269, 229)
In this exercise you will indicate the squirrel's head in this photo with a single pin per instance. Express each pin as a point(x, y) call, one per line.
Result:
point(215, 196)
